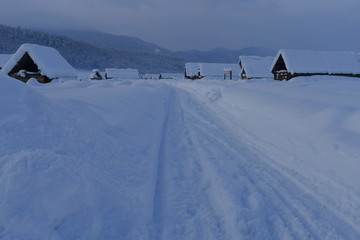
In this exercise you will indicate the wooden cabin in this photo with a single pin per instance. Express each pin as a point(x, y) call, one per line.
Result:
point(95, 75)
point(173, 76)
point(39, 62)
point(293, 63)
point(255, 67)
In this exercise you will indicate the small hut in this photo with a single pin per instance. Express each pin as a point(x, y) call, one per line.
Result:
point(95, 75)
point(192, 71)
point(294, 63)
point(35, 61)
point(173, 76)
point(254, 67)
point(121, 73)
point(153, 76)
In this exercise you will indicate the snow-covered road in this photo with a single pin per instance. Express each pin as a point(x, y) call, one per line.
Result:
point(182, 160)
point(239, 193)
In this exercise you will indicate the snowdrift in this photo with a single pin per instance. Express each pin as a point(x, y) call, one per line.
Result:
point(67, 172)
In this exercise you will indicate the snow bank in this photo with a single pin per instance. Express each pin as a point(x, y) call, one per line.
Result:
point(76, 169)
point(48, 60)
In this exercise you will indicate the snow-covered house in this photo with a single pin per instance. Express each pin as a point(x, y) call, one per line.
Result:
point(151, 76)
point(218, 70)
point(40, 62)
point(4, 58)
point(252, 67)
point(121, 73)
point(211, 70)
point(192, 70)
point(171, 76)
point(95, 75)
point(292, 63)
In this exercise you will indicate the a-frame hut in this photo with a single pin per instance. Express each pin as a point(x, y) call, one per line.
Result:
point(292, 63)
point(95, 75)
point(40, 62)
point(255, 67)
point(192, 70)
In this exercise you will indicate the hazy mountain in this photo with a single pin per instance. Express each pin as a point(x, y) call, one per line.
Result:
point(113, 41)
point(135, 44)
point(223, 55)
point(89, 50)
point(86, 55)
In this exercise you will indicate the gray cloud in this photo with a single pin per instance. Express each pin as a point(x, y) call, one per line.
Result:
point(201, 24)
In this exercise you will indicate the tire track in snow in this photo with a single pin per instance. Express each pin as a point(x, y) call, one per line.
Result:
point(278, 208)
point(181, 205)
point(158, 199)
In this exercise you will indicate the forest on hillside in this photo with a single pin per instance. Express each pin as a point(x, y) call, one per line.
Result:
point(84, 55)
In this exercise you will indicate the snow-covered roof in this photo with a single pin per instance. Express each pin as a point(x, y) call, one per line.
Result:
point(151, 76)
point(217, 69)
point(123, 73)
point(256, 67)
point(191, 69)
point(48, 60)
point(4, 58)
point(308, 61)
point(94, 74)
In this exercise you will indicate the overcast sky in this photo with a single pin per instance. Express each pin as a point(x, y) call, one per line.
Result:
point(201, 24)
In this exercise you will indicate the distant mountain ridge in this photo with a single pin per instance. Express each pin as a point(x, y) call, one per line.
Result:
point(135, 44)
point(85, 55)
point(113, 41)
point(90, 49)
point(223, 55)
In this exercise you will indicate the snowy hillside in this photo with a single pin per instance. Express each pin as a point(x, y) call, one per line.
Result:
point(180, 159)
point(83, 55)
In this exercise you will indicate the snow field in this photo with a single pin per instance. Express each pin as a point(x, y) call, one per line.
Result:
point(180, 159)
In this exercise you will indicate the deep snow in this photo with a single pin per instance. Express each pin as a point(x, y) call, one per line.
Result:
point(150, 159)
